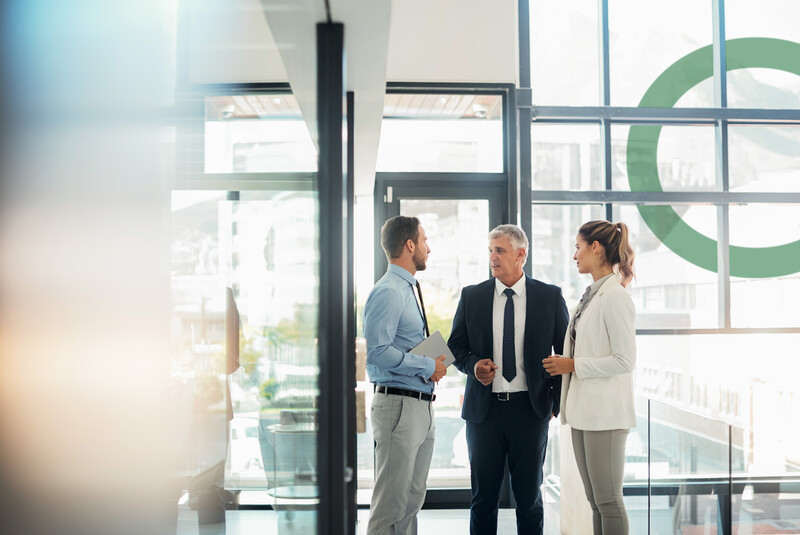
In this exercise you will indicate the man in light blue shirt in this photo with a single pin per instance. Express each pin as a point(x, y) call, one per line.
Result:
point(402, 410)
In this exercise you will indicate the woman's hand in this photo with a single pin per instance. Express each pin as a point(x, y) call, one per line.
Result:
point(558, 365)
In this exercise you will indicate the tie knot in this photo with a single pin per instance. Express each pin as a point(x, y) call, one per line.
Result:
point(509, 292)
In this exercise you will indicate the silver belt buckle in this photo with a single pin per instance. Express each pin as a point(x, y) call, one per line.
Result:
point(506, 394)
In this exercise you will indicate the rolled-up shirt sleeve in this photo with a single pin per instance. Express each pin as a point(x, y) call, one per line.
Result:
point(382, 315)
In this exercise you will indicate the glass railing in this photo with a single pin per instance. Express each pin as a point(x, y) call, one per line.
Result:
point(704, 476)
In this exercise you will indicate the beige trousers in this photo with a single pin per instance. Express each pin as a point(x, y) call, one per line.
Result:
point(601, 463)
point(403, 429)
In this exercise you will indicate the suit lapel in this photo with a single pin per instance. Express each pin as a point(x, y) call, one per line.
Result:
point(487, 309)
point(532, 320)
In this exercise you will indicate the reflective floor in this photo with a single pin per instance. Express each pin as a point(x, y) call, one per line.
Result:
point(267, 522)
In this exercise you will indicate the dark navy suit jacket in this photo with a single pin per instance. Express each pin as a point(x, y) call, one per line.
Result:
point(471, 340)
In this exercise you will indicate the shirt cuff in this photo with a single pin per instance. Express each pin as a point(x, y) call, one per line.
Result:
point(430, 368)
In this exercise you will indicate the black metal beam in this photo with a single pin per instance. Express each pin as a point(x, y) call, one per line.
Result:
point(351, 473)
point(332, 466)
point(454, 88)
point(241, 87)
point(442, 178)
point(247, 181)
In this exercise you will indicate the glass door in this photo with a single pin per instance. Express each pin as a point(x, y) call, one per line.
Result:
point(245, 286)
point(456, 221)
point(447, 155)
point(456, 230)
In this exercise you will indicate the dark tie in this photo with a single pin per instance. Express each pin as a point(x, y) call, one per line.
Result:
point(422, 306)
point(509, 358)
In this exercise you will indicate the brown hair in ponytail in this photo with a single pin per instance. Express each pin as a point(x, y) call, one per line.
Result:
point(614, 239)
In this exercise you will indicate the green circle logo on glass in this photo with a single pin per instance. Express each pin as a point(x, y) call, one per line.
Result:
point(666, 224)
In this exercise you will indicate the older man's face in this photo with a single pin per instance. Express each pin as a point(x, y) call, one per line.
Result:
point(505, 260)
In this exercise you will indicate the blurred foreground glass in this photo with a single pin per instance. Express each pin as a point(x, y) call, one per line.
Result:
point(84, 340)
point(441, 133)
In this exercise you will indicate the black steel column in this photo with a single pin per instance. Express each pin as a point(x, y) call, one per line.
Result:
point(350, 361)
point(333, 385)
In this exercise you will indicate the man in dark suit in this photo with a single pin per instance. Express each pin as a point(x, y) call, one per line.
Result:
point(502, 330)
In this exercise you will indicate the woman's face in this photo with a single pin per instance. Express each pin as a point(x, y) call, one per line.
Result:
point(585, 255)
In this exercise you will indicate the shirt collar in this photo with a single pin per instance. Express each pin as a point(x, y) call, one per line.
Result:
point(595, 286)
point(518, 287)
point(402, 273)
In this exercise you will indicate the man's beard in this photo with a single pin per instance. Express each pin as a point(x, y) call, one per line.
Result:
point(419, 262)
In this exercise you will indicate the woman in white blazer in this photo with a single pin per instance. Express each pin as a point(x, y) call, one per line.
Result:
point(597, 368)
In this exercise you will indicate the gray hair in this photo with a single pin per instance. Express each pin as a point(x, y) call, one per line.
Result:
point(515, 235)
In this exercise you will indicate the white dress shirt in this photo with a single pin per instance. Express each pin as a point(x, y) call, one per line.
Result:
point(498, 314)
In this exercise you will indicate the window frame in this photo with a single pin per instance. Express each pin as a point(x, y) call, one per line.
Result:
point(720, 116)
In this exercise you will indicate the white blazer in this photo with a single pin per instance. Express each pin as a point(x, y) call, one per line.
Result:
point(598, 395)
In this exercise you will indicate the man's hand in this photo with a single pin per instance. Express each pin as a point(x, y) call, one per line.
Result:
point(558, 365)
point(441, 369)
point(484, 371)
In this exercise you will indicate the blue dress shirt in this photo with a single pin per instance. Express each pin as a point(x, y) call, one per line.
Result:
point(393, 325)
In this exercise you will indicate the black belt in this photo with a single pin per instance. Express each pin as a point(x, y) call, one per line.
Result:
point(403, 392)
point(508, 396)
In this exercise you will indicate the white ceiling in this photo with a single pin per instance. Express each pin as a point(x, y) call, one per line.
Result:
point(466, 41)
point(230, 41)
point(411, 40)
point(293, 26)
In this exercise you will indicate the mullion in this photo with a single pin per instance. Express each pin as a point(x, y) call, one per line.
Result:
point(721, 159)
point(663, 197)
point(635, 115)
point(605, 54)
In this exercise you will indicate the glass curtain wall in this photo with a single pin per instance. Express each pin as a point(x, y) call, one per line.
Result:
point(636, 120)
point(245, 296)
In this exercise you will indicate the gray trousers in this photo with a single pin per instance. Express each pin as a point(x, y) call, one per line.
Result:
point(403, 429)
point(601, 463)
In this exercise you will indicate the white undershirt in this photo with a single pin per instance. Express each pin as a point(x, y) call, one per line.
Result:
point(498, 314)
